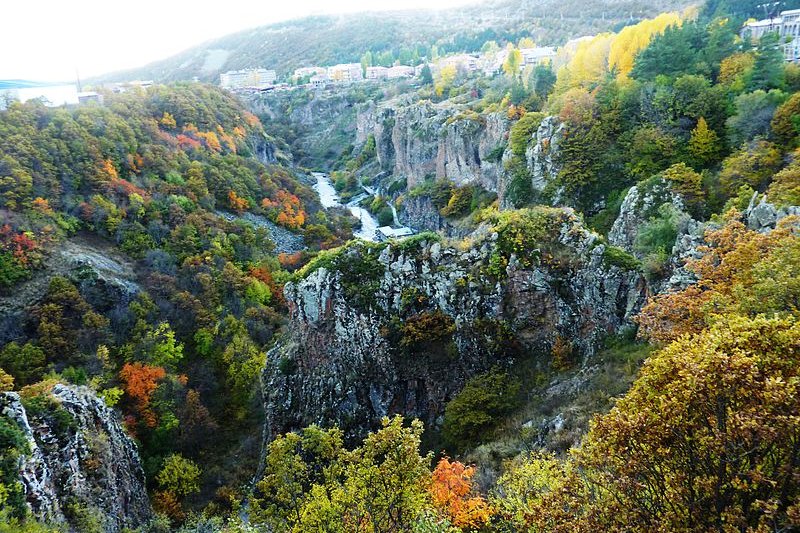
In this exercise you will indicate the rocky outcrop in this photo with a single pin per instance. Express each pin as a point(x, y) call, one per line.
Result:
point(79, 457)
point(542, 153)
point(350, 358)
point(419, 140)
point(762, 216)
point(641, 203)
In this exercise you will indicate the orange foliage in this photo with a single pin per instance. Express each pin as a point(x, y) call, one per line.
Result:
point(239, 132)
point(251, 120)
point(42, 205)
point(451, 491)
point(140, 381)
point(211, 140)
point(184, 142)
point(727, 260)
point(107, 171)
point(290, 261)
point(285, 209)
point(265, 276)
point(126, 188)
point(238, 203)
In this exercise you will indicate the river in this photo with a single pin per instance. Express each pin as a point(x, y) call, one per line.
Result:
point(329, 198)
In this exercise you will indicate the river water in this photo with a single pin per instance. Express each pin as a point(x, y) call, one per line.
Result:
point(329, 198)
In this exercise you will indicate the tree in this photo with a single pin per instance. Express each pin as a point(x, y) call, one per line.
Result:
point(785, 186)
point(474, 410)
point(25, 363)
point(753, 165)
point(452, 493)
point(704, 144)
point(631, 39)
point(140, 382)
point(754, 113)
point(179, 476)
point(733, 263)
point(447, 75)
point(513, 62)
point(426, 76)
point(786, 122)
point(706, 438)
point(768, 67)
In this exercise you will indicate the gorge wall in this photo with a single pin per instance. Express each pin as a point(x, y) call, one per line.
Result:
point(400, 327)
point(80, 463)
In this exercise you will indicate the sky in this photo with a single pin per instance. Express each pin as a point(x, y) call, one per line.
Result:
point(52, 40)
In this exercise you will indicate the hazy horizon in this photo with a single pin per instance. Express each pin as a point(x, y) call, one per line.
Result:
point(55, 41)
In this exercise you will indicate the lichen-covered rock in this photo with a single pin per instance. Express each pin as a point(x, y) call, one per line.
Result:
point(542, 154)
point(352, 354)
point(418, 140)
point(762, 216)
point(641, 203)
point(80, 458)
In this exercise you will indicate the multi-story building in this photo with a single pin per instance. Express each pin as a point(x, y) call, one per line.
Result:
point(462, 62)
point(537, 56)
point(251, 78)
point(400, 71)
point(377, 73)
point(786, 25)
point(346, 72)
point(307, 72)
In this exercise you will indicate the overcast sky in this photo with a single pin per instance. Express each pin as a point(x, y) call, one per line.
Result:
point(48, 40)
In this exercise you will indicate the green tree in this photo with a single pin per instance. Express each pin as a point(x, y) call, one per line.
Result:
point(768, 70)
point(179, 476)
point(704, 145)
point(512, 63)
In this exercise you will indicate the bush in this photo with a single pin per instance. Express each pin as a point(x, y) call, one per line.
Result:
point(478, 407)
point(614, 256)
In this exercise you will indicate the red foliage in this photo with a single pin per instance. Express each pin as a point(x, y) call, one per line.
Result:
point(186, 142)
point(19, 245)
point(140, 381)
point(265, 275)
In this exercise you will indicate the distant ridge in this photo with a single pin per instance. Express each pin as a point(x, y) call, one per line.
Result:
point(327, 40)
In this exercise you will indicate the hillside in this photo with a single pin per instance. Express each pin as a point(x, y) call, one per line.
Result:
point(327, 40)
point(584, 317)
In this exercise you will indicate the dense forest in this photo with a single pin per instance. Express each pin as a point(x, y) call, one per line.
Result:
point(672, 133)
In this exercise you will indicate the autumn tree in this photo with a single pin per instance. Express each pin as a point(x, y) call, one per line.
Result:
point(447, 75)
point(704, 145)
point(706, 439)
point(753, 165)
point(140, 382)
point(733, 263)
point(786, 122)
point(513, 62)
point(631, 39)
point(453, 494)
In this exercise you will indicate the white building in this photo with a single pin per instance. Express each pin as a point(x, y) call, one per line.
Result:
point(537, 56)
point(462, 62)
point(319, 80)
point(377, 73)
point(305, 72)
point(400, 71)
point(251, 78)
point(346, 72)
point(384, 233)
point(786, 25)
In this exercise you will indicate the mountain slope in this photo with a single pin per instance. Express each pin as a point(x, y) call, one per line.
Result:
point(327, 40)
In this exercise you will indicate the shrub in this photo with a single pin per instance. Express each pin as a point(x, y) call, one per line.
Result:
point(477, 408)
point(427, 328)
point(614, 256)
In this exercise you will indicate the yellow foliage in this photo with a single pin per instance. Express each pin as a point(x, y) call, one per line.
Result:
point(632, 39)
point(447, 76)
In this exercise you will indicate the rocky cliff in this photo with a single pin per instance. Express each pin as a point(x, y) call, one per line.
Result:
point(400, 327)
point(80, 462)
point(418, 140)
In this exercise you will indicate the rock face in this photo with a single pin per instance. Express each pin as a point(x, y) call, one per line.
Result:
point(79, 456)
point(418, 140)
point(542, 153)
point(763, 217)
point(348, 362)
point(640, 204)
